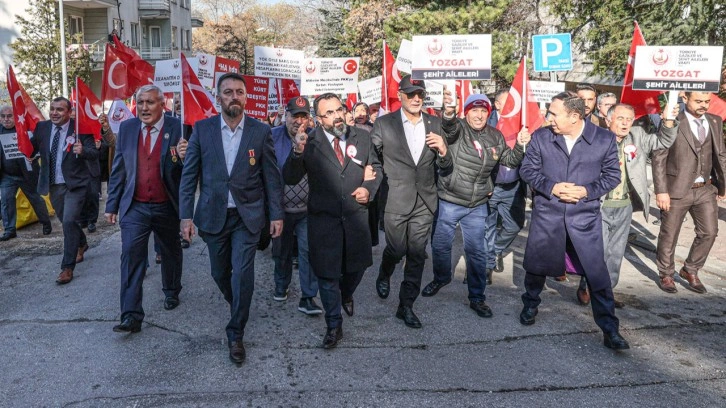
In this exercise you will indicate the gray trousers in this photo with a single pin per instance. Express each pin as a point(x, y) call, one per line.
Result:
point(615, 229)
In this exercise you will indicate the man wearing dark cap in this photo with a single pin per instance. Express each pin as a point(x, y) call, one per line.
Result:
point(411, 148)
point(464, 190)
point(295, 204)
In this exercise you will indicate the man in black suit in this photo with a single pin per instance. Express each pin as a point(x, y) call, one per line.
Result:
point(233, 157)
point(411, 149)
point(17, 174)
point(143, 193)
point(338, 234)
point(68, 164)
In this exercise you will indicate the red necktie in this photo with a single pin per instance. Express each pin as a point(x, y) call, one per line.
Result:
point(338, 151)
point(147, 139)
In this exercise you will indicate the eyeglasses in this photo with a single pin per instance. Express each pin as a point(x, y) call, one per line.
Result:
point(420, 94)
point(330, 113)
point(6, 116)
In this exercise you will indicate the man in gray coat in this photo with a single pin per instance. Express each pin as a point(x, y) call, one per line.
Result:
point(634, 147)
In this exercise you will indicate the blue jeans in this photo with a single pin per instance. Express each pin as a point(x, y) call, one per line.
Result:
point(9, 186)
point(282, 249)
point(509, 204)
point(473, 229)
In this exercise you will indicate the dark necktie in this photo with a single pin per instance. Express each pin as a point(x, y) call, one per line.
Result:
point(338, 150)
point(701, 130)
point(54, 153)
point(147, 140)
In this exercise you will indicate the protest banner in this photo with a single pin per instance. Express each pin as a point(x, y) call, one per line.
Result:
point(403, 59)
point(678, 68)
point(446, 57)
point(205, 70)
point(9, 142)
point(167, 74)
point(370, 90)
point(337, 75)
point(543, 91)
point(435, 93)
point(278, 62)
point(257, 92)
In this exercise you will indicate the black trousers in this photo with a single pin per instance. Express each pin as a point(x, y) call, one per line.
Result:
point(68, 205)
point(89, 215)
point(407, 235)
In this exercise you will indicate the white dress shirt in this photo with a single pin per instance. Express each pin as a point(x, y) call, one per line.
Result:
point(415, 135)
point(694, 129)
point(230, 141)
point(155, 131)
point(331, 140)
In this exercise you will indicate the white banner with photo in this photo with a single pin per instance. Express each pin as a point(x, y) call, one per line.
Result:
point(337, 75)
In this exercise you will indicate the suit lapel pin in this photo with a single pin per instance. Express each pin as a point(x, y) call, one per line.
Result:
point(166, 135)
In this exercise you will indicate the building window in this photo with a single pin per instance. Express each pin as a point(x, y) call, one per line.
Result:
point(134, 35)
point(189, 39)
point(173, 37)
point(75, 25)
point(117, 25)
point(155, 36)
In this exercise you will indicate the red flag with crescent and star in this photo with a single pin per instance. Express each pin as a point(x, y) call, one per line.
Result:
point(25, 112)
point(520, 109)
point(288, 90)
point(88, 107)
point(644, 102)
point(390, 80)
point(196, 102)
point(124, 71)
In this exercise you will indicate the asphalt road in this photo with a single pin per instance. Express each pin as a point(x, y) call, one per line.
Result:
point(58, 348)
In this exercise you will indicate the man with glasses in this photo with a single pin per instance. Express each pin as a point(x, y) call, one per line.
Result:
point(337, 161)
point(604, 102)
point(411, 147)
point(18, 174)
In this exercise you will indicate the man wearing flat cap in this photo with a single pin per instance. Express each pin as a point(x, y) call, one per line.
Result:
point(464, 191)
point(409, 143)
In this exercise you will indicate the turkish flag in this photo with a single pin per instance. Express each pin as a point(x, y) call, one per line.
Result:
point(463, 90)
point(115, 81)
point(520, 109)
point(88, 107)
point(196, 101)
point(287, 89)
point(644, 102)
point(25, 111)
point(351, 100)
point(389, 91)
point(718, 106)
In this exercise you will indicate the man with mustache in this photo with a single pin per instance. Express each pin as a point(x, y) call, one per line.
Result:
point(688, 178)
point(232, 156)
point(68, 164)
point(411, 152)
point(335, 160)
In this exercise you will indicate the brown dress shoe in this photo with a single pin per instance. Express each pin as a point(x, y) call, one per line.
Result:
point(237, 352)
point(694, 283)
point(82, 250)
point(65, 276)
point(618, 304)
point(583, 297)
point(668, 285)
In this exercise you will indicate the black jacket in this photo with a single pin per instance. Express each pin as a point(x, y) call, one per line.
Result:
point(468, 182)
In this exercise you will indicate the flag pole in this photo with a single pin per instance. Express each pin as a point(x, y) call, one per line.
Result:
point(77, 127)
point(525, 97)
point(385, 80)
point(64, 66)
point(181, 100)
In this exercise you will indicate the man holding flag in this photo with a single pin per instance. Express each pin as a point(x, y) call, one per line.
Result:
point(69, 162)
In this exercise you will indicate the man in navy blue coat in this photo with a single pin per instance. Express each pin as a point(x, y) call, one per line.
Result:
point(233, 158)
point(570, 165)
point(143, 194)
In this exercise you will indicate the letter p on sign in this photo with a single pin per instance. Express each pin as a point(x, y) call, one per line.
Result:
point(552, 52)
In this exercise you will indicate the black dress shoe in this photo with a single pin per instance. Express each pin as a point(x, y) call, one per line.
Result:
point(171, 302)
point(8, 236)
point(406, 314)
point(433, 288)
point(481, 308)
point(237, 352)
point(500, 264)
point(615, 341)
point(128, 325)
point(348, 306)
point(332, 337)
point(383, 287)
point(527, 315)
point(92, 227)
point(47, 229)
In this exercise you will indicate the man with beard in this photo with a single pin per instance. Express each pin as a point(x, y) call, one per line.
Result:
point(143, 194)
point(340, 242)
point(587, 93)
point(233, 158)
point(295, 203)
point(688, 178)
point(68, 164)
point(411, 152)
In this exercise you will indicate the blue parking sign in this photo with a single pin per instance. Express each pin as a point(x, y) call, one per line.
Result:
point(552, 52)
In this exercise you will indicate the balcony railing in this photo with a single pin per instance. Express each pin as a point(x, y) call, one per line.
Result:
point(154, 5)
point(156, 53)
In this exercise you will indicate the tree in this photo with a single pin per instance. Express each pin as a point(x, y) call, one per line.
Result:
point(37, 52)
point(603, 29)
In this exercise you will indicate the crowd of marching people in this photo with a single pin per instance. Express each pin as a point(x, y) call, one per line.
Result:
point(321, 186)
